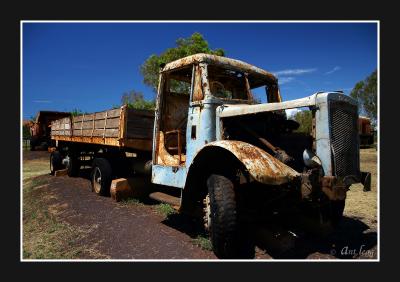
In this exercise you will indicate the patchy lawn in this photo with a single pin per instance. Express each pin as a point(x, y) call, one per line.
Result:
point(36, 166)
point(45, 236)
point(363, 205)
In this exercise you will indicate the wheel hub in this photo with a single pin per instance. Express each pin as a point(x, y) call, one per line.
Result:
point(97, 180)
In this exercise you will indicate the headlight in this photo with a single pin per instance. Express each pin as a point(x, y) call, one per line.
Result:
point(310, 159)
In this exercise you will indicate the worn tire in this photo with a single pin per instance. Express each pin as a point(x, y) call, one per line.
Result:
point(224, 227)
point(73, 166)
point(55, 162)
point(101, 168)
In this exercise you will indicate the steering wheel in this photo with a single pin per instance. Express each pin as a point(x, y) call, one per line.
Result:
point(216, 85)
point(218, 89)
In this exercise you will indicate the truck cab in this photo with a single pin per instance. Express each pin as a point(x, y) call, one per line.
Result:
point(211, 139)
point(189, 93)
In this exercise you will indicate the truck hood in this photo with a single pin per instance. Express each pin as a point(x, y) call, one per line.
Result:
point(229, 110)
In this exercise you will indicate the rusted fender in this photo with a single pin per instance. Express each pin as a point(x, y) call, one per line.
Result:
point(263, 167)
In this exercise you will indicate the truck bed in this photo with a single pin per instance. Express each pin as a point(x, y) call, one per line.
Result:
point(122, 127)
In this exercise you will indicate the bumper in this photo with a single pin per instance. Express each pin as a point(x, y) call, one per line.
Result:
point(336, 188)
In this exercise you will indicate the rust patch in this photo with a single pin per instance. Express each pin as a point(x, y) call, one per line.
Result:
point(334, 188)
point(165, 158)
point(221, 61)
point(197, 89)
point(263, 167)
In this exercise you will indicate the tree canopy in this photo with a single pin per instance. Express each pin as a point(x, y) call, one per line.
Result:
point(304, 118)
point(365, 92)
point(135, 100)
point(26, 133)
point(184, 47)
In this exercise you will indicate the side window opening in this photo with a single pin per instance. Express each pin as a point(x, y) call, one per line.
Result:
point(173, 118)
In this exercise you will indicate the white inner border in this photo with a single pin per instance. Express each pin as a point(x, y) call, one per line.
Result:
point(201, 260)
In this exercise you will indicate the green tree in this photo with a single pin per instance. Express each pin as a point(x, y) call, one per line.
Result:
point(135, 100)
point(184, 47)
point(304, 118)
point(77, 112)
point(365, 92)
point(26, 133)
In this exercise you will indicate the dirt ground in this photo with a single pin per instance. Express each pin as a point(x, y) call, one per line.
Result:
point(63, 219)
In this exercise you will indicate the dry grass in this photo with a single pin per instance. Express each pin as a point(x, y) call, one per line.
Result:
point(165, 209)
point(33, 168)
point(203, 242)
point(131, 202)
point(363, 205)
point(46, 236)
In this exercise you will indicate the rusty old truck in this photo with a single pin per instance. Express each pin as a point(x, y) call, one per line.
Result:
point(220, 154)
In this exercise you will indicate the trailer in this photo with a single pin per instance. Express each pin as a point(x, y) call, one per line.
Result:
point(114, 142)
point(123, 127)
point(220, 155)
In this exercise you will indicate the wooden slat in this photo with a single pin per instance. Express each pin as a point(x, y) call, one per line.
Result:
point(135, 112)
point(77, 118)
point(144, 145)
point(134, 132)
point(88, 117)
point(104, 128)
point(140, 122)
point(109, 132)
point(111, 123)
point(85, 125)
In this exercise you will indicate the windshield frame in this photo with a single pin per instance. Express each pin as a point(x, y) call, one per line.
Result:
point(208, 92)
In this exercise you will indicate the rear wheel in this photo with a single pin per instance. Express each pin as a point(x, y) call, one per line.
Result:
point(101, 176)
point(55, 162)
point(222, 219)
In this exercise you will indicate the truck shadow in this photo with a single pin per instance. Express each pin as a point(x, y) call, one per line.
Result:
point(296, 239)
point(349, 240)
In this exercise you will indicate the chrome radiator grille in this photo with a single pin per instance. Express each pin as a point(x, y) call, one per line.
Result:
point(344, 138)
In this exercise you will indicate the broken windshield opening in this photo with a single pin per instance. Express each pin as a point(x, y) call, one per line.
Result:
point(228, 84)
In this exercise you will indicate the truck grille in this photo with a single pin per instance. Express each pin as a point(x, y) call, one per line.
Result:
point(344, 138)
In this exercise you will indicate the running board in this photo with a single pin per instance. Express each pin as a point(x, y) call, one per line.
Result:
point(175, 202)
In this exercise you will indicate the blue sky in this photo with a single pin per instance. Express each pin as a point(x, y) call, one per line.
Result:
point(89, 65)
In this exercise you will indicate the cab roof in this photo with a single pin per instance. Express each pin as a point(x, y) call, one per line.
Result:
point(253, 71)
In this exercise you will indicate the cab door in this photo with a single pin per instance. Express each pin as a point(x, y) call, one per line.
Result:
point(169, 149)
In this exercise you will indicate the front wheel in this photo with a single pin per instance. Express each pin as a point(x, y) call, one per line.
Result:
point(222, 219)
point(101, 177)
